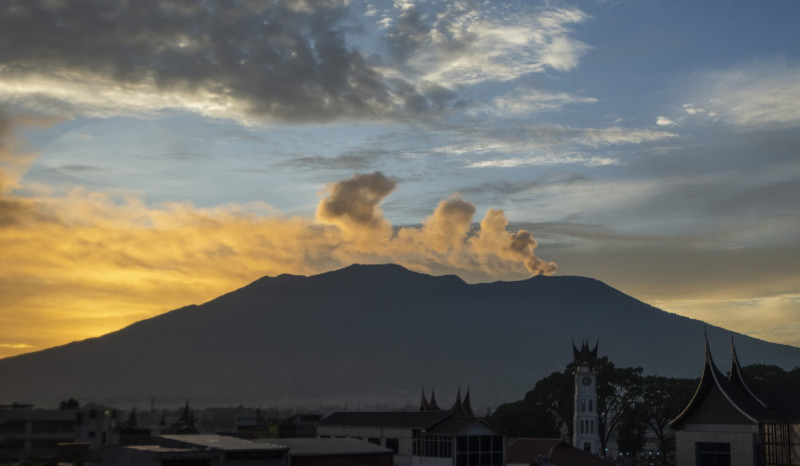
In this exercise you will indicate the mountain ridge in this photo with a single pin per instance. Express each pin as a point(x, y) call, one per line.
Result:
point(371, 333)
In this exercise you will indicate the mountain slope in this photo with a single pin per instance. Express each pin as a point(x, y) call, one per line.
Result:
point(365, 334)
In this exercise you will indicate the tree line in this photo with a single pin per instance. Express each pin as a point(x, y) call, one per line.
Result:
point(629, 404)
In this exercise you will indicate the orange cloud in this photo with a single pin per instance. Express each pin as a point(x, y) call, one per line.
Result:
point(90, 262)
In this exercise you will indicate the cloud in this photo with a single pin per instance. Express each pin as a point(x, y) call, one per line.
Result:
point(277, 61)
point(15, 346)
point(524, 101)
point(459, 45)
point(249, 61)
point(762, 94)
point(664, 121)
point(536, 144)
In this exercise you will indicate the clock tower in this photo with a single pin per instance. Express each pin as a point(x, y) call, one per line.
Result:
point(584, 422)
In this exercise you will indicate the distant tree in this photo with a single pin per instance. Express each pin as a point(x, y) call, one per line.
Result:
point(662, 399)
point(525, 419)
point(618, 389)
point(632, 430)
point(556, 393)
point(769, 374)
point(542, 412)
point(71, 403)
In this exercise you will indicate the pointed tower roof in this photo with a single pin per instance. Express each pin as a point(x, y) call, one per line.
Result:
point(712, 380)
point(466, 405)
point(432, 406)
point(423, 404)
point(737, 377)
point(186, 416)
point(585, 357)
point(458, 406)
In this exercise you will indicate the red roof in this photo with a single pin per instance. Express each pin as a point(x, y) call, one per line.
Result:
point(528, 451)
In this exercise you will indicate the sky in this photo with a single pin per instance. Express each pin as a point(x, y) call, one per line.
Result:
point(155, 154)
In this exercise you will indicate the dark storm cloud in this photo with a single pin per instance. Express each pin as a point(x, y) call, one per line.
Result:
point(277, 60)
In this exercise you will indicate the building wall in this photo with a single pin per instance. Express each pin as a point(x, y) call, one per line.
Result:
point(26, 433)
point(404, 437)
point(742, 440)
point(384, 459)
point(428, 461)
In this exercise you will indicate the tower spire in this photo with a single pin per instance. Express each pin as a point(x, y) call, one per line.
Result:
point(423, 404)
point(585, 421)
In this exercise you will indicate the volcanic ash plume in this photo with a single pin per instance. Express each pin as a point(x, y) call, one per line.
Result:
point(446, 241)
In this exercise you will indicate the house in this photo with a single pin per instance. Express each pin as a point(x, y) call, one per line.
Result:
point(544, 452)
point(430, 436)
point(735, 421)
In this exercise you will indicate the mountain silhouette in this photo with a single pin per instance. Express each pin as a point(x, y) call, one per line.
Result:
point(372, 334)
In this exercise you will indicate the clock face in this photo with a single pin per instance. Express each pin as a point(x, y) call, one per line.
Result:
point(586, 381)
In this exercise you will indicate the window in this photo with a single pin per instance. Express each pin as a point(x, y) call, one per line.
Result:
point(479, 450)
point(583, 405)
point(712, 454)
point(393, 444)
point(590, 404)
point(781, 446)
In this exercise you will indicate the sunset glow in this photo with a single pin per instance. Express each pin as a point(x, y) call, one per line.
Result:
point(153, 157)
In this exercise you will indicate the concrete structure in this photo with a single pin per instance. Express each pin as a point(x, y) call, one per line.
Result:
point(430, 436)
point(334, 452)
point(734, 421)
point(27, 433)
point(585, 421)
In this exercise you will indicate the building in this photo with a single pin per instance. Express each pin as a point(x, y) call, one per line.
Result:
point(545, 452)
point(430, 436)
point(333, 452)
point(27, 433)
point(218, 450)
point(734, 421)
point(197, 450)
point(585, 421)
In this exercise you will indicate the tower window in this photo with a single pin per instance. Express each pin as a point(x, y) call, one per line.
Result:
point(583, 405)
point(590, 404)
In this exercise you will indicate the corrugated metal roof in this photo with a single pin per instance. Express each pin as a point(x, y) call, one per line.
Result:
point(220, 442)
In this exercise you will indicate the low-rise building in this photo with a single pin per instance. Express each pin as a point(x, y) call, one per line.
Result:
point(197, 449)
point(26, 432)
point(334, 452)
point(735, 421)
point(430, 436)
